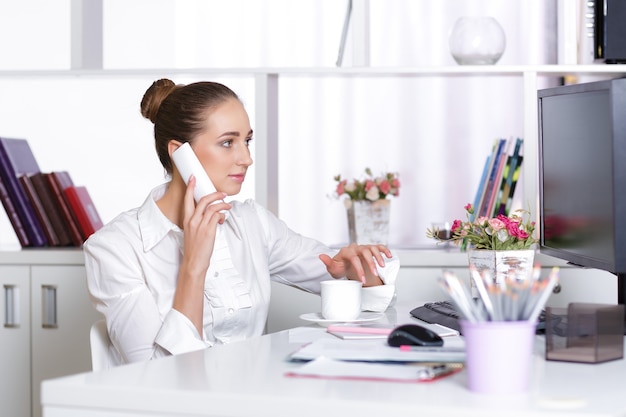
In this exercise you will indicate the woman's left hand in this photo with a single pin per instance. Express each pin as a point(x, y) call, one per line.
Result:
point(357, 262)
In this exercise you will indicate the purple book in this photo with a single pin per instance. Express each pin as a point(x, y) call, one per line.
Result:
point(17, 159)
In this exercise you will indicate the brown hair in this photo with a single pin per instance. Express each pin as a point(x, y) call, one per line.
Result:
point(179, 111)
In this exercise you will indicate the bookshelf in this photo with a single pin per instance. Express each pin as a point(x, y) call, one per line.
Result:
point(266, 104)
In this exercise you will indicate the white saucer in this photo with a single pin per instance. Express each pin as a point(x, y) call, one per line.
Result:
point(363, 317)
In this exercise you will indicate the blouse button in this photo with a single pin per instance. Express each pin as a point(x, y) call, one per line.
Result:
point(216, 274)
point(231, 311)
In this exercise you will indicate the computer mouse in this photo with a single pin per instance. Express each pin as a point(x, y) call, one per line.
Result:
point(413, 335)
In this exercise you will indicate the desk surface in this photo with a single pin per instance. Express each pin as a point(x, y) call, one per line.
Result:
point(247, 379)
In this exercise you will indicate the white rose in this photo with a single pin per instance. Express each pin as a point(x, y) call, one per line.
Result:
point(372, 194)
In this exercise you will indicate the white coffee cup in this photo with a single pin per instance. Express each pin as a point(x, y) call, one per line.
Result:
point(341, 299)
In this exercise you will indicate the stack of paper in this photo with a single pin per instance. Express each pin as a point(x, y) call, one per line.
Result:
point(377, 350)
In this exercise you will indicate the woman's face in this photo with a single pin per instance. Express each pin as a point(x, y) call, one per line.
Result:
point(222, 147)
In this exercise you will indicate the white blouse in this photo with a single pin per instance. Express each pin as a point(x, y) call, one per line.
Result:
point(132, 266)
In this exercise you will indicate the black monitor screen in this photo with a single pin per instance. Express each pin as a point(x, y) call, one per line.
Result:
point(577, 177)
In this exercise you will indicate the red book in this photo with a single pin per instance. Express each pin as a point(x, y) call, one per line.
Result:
point(58, 181)
point(85, 211)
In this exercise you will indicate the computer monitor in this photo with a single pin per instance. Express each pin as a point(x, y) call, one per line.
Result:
point(582, 176)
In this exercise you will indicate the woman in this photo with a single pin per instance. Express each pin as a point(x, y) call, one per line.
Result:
point(173, 276)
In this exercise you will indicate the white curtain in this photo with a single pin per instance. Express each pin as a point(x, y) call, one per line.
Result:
point(434, 131)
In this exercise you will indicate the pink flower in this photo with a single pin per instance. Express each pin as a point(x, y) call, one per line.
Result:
point(515, 231)
point(395, 187)
point(495, 233)
point(496, 224)
point(384, 187)
point(369, 188)
point(481, 221)
point(341, 187)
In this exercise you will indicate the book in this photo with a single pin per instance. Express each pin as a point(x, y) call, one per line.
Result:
point(486, 178)
point(498, 151)
point(497, 183)
point(516, 174)
point(16, 159)
point(40, 210)
point(511, 178)
point(360, 331)
point(500, 191)
point(22, 236)
point(84, 209)
point(52, 208)
point(57, 182)
point(481, 184)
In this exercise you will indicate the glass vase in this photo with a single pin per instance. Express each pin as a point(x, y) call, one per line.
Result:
point(477, 40)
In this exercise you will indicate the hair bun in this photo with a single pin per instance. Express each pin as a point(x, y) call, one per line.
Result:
point(154, 96)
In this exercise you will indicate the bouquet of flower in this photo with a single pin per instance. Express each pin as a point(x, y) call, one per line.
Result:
point(514, 232)
point(369, 188)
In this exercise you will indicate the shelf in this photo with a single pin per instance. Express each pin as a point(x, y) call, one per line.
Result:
point(513, 70)
point(418, 257)
point(41, 256)
point(453, 257)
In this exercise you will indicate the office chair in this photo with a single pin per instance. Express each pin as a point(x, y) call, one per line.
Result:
point(101, 357)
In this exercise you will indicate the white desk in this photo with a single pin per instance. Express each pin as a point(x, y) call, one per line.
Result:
point(247, 379)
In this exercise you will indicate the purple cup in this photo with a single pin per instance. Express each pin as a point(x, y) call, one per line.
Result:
point(498, 356)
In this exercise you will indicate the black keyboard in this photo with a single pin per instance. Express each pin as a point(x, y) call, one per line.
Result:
point(439, 312)
point(446, 314)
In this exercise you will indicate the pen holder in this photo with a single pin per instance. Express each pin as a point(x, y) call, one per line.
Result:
point(498, 355)
point(582, 332)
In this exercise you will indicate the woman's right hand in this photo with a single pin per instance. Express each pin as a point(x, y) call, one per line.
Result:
point(200, 226)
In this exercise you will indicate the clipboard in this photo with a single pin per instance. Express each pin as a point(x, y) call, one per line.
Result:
point(377, 350)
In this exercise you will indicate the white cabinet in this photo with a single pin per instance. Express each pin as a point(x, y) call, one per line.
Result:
point(47, 315)
point(15, 341)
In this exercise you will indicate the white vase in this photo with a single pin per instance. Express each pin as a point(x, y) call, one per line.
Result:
point(368, 221)
point(477, 40)
point(516, 264)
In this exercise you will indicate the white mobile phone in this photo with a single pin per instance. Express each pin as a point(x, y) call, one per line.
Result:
point(188, 164)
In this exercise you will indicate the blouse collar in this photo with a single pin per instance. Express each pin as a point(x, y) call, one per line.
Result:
point(154, 225)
